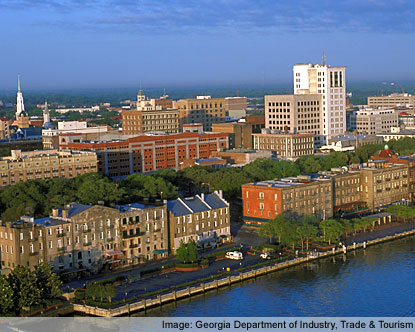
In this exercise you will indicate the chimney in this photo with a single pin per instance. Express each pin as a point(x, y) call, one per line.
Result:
point(202, 195)
point(164, 201)
point(55, 212)
point(220, 193)
point(65, 213)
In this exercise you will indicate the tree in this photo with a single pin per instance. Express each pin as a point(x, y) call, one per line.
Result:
point(6, 296)
point(192, 250)
point(289, 235)
point(267, 230)
point(24, 286)
point(280, 223)
point(306, 232)
point(182, 253)
point(402, 211)
point(48, 282)
point(110, 292)
point(332, 229)
point(347, 226)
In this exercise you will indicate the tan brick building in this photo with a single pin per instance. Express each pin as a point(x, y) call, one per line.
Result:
point(45, 164)
point(285, 145)
point(5, 128)
point(143, 121)
point(393, 100)
point(240, 133)
point(144, 232)
point(203, 218)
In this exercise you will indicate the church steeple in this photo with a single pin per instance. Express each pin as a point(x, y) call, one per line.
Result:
point(18, 83)
point(19, 101)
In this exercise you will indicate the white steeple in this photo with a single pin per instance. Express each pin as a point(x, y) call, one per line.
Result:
point(19, 103)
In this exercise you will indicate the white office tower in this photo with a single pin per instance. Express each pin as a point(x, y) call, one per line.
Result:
point(330, 82)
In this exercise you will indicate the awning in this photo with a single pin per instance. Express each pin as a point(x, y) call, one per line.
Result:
point(113, 253)
point(160, 251)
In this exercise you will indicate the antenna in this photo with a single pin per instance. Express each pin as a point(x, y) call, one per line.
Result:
point(324, 58)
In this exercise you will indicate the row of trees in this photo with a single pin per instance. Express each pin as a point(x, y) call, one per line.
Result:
point(97, 290)
point(300, 231)
point(23, 288)
point(187, 252)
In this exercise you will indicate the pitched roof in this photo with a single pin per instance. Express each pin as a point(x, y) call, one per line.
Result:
point(75, 208)
point(180, 207)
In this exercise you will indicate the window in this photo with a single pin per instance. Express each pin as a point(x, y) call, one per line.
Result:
point(21, 236)
point(50, 245)
point(39, 233)
point(49, 231)
point(40, 246)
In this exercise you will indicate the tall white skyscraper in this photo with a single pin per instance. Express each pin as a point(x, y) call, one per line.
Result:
point(330, 82)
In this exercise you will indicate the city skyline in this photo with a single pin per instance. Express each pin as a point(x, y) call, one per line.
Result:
point(71, 44)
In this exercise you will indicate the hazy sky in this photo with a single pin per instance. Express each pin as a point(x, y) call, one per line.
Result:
point(125, 43)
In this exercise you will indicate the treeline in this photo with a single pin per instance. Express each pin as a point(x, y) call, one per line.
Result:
point(292, 232)
point(23, 290)
point(38, 197)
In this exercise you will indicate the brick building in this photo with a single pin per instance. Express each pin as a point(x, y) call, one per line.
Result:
point(203, 218)
point(45, 164)
point(240, 133)
point(145, 153)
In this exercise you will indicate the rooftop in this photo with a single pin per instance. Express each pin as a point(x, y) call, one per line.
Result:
point(188, 205)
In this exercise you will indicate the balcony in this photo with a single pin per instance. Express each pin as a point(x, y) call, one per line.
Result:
point(396, 178)
point(34, 253)
point(388, 179)
point(61, 234)
point(110, 239)
point(86, 244)
point(86, 230)
point(135, 245)
point(405, 176)
point(109, 226)
point(61, 249)
point(378, 181)
point(33, 239)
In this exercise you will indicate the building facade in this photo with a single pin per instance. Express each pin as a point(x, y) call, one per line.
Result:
point(330, 83)
point(145, 153)
point(285, 145)
point(295, 114)
point(45, 164)
point(240, 133)
point(393, 100)
point(204, 218)
point(375, 121)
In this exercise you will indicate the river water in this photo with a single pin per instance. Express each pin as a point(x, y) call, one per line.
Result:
point(377, 281)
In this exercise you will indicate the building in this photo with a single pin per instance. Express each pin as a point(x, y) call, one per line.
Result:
point(391, 157)
point(375, 121)
point(236, 106)
point(397, 133)
point(296, 196)
point(240, 157)
point(330, 83)
point(406, 120)
point(5, 128)
point(257, 122)
point(393, 100)
point(343, 143)
point(45, 164)
point(208, 110)
point(62, 110)
point(341, 191)
point(150, 115)
point(145, 153)
point(240, 133)
point(144, 232)
point(351, 114)
point(22, 119)
point(204, 218)
point(297, 113)
point(285, 145)
point(50, 136)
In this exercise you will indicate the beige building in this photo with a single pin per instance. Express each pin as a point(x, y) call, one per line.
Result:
point(207, 110)
point(5, 128)
point(240, 133)
point(144, 232)
point(375, 121)
point(45, 164)
point(139, 122)
point(295, 114)
point(384, 183)
point(393, 100)
point(285, 145)
point(204, 218)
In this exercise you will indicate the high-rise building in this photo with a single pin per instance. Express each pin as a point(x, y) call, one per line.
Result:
point(376, 121)
point(330, 82)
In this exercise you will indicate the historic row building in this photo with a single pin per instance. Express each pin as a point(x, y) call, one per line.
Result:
point(80, 237)
point(340, 191)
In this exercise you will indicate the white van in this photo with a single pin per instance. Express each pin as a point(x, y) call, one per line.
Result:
point(234, 255)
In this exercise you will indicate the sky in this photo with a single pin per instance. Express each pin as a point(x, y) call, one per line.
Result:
point(131, 43)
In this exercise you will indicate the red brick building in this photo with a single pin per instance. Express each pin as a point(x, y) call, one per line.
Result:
point(146, 153)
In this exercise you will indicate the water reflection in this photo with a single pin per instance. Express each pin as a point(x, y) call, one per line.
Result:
point(377, 281)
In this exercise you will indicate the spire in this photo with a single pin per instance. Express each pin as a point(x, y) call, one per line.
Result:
point(324, 58)
point(18, 83)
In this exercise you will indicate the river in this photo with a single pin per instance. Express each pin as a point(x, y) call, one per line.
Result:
point(377, 281)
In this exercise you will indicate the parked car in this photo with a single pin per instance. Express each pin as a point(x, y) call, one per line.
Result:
point(265, 255)
point(234, 255)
